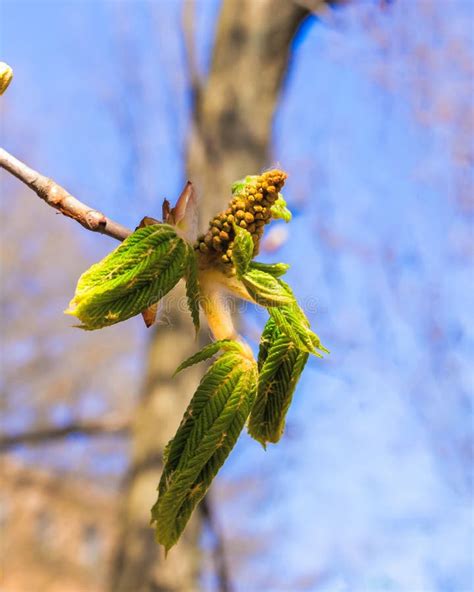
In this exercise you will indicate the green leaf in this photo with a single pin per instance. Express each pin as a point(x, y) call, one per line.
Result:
point(208, 432)
point(280, 365)
point(208, 351)
point(266, 339)
point(145, 267)
point(292, 321)
point(192, 287)
point(123, 258)
point(266, 289)
point(221, 372)
point(242, 250)
point(279, 209)
point(274, 269)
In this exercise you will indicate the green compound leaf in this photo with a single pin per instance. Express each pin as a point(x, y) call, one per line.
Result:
point(242, 250)
point(265, 289)
point(280, 365)
point(279, 209)
point(291, 320)
point(208, 351)
point(123, 258)
point(274, 269)
point(209, 430)
point(192, 287)
point(146, 266)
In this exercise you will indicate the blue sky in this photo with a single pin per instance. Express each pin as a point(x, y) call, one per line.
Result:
point(371, 489)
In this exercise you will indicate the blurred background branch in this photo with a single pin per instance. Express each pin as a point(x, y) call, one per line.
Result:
point(195, 77)
point(48, 434)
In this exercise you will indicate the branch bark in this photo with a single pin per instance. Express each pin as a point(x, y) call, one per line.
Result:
point(60, 199)
point(49, 434)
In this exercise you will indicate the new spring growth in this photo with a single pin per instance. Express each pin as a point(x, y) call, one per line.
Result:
point(236, 389)
point(251, 208)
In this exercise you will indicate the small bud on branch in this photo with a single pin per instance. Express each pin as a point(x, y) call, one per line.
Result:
point(6, 75)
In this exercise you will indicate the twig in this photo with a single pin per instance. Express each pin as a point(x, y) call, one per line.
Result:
point(57, 197)
point(42, 435)
point(220, 563)
point(318, 7)
point(189, 45)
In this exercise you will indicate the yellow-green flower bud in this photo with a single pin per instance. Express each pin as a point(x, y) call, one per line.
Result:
point(6, 75)
point(249, 208)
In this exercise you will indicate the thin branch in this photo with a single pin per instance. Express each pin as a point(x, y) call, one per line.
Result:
point(189, 46)
point(57, 197)
point(45, 435)
point(220, 562)
point(320, 6)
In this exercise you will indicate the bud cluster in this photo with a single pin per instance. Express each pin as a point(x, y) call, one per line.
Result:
point(250, 208)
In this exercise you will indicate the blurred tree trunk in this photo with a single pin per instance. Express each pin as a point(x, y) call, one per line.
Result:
point(234, 109)
point(229, 138)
